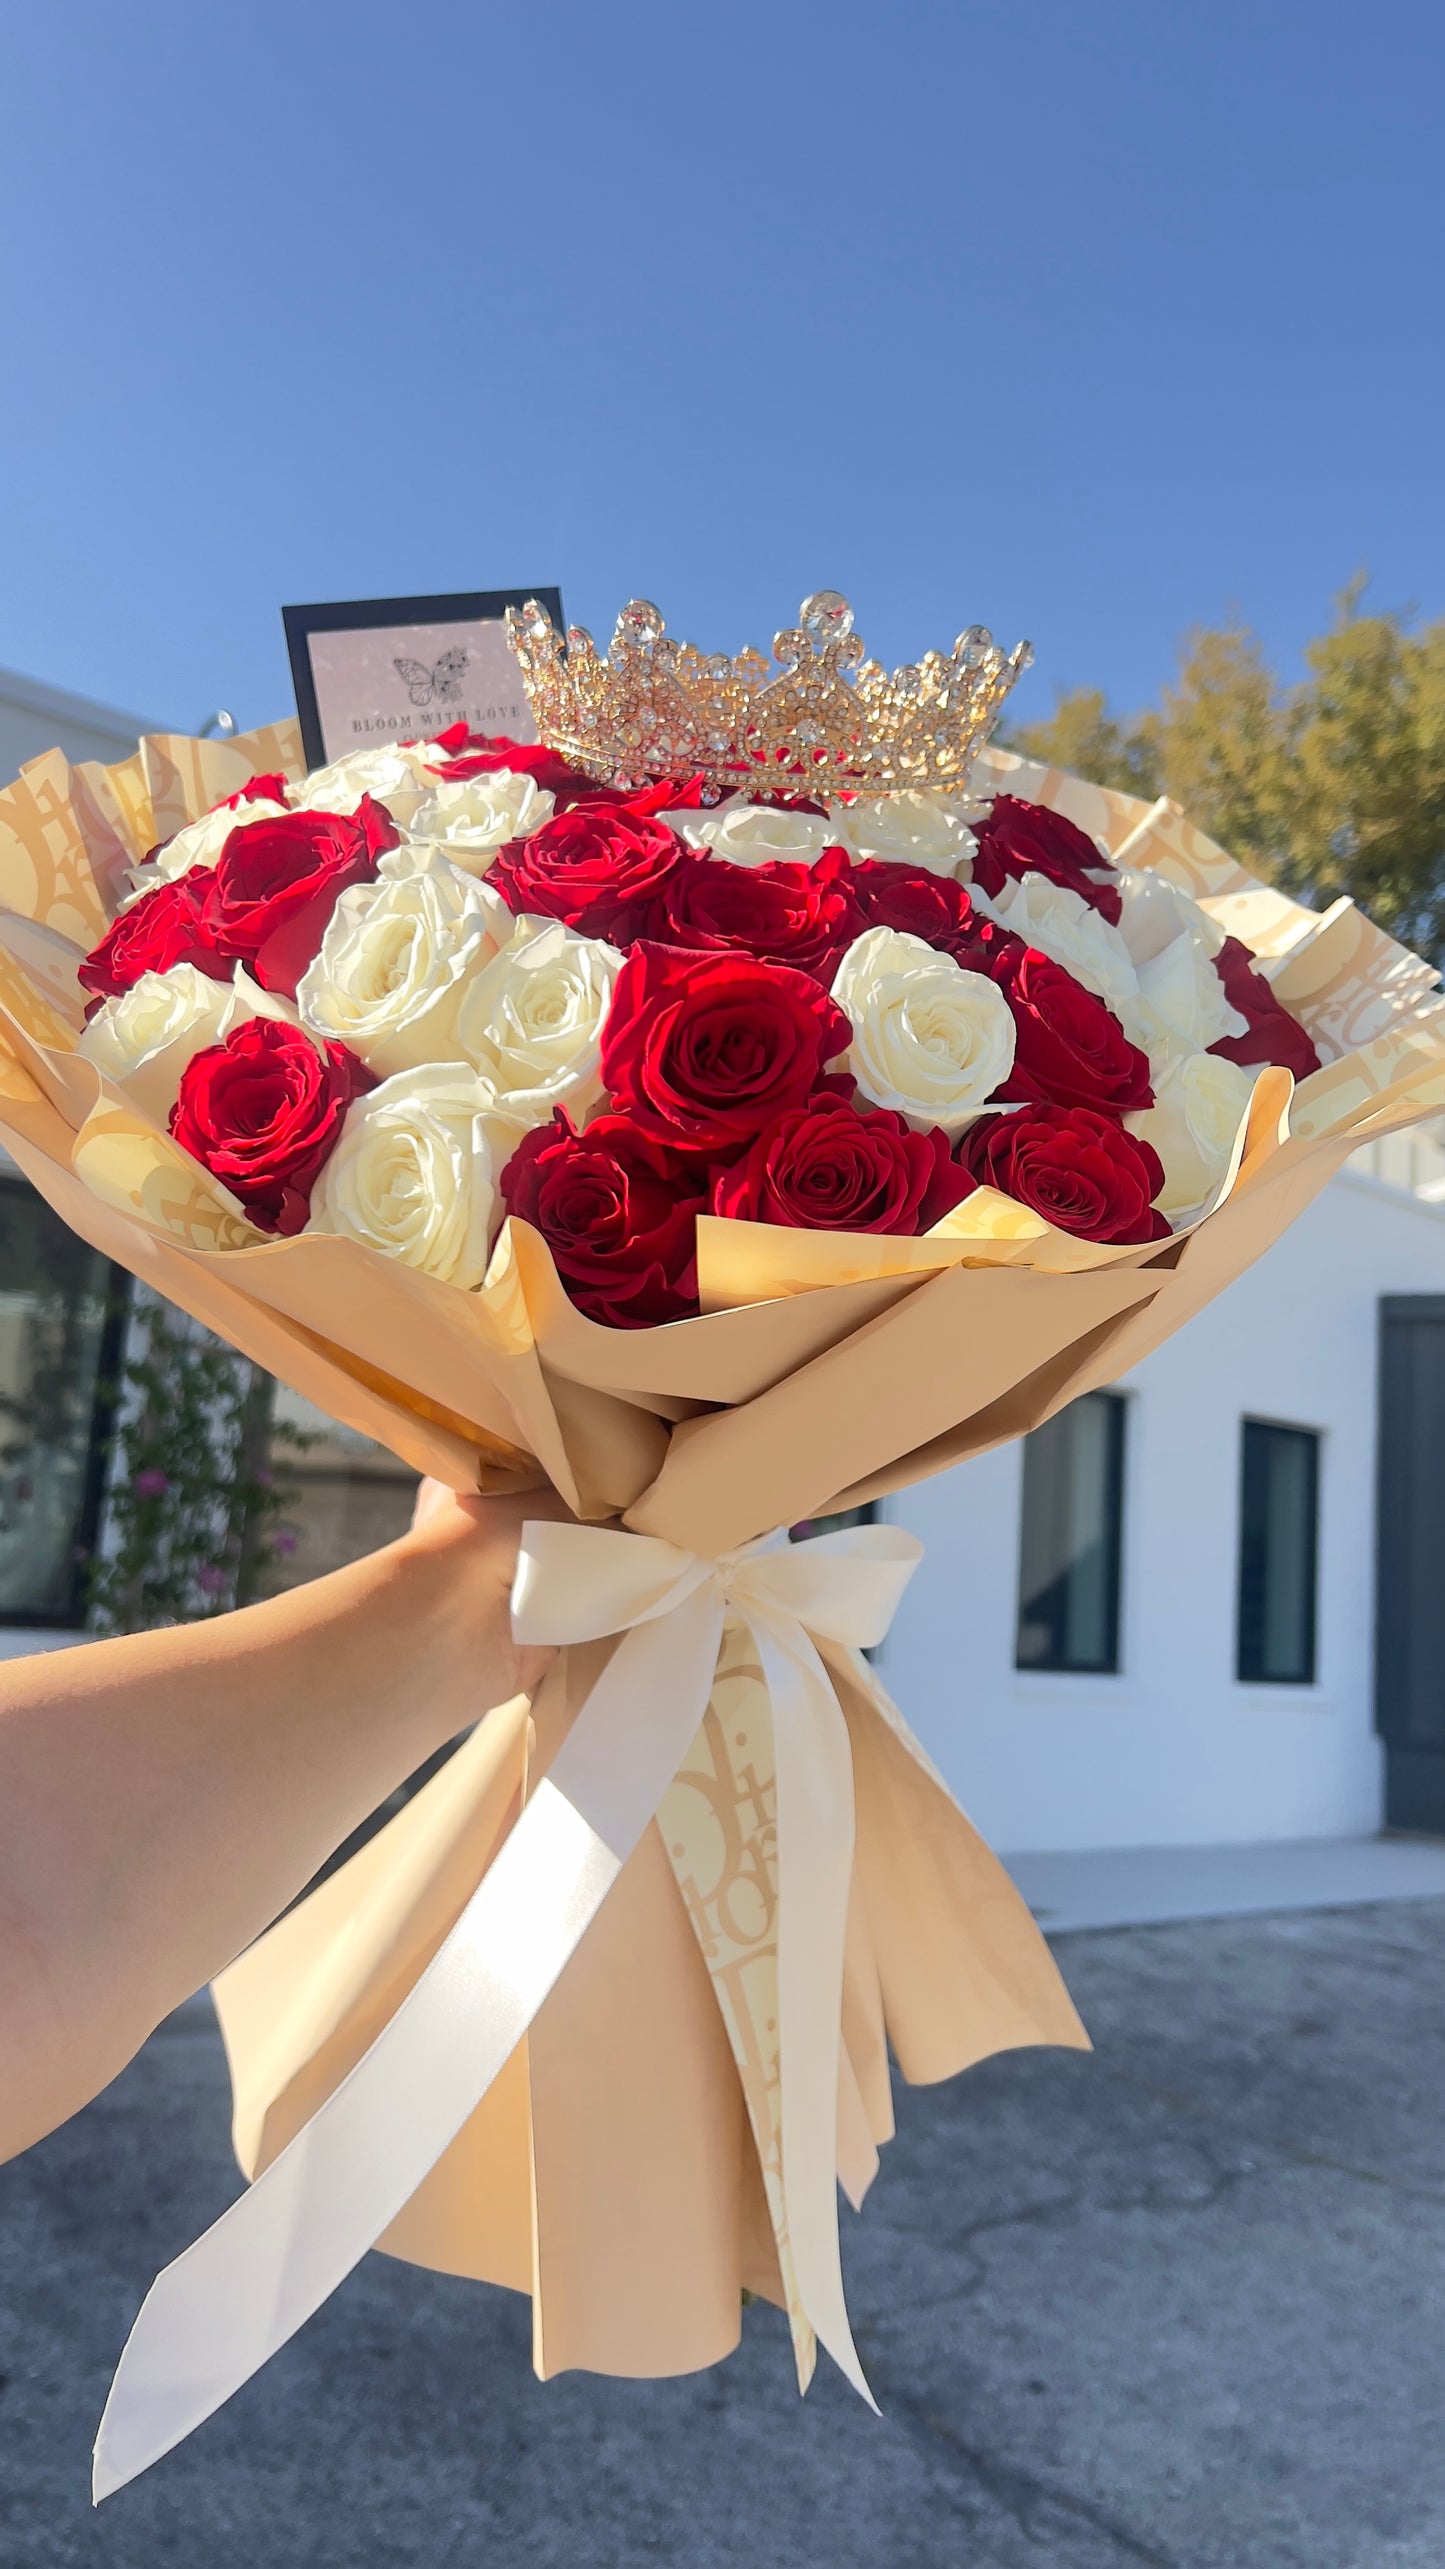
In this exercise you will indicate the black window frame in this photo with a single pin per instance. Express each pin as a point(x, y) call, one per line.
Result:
point(1110, 1663)
point(1312, 1438)
point(70, 1616)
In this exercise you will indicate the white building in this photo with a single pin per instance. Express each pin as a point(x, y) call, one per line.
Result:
point(1159, 1622)
point(34, 718)
point(1153, 1624)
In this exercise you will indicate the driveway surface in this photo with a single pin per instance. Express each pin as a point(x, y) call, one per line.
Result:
point(1180, 2303)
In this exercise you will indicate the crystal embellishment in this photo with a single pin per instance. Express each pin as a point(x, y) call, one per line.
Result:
point(818, 718)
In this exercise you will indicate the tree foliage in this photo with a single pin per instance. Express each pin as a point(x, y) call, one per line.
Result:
point(1336, 785)
point(195, 1511)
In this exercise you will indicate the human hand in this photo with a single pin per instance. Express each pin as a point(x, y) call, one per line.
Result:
point(481, 1537)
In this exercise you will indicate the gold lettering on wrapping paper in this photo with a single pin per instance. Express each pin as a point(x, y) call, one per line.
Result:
point(45, 868)
point(140, 1172)
point(719, 1823)
point(187, 777)
point(31, 1009)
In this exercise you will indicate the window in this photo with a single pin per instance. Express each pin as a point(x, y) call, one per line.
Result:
point(1278, 1512)
point(62, 1314)
point(836, 1524)
point(1069, 1544)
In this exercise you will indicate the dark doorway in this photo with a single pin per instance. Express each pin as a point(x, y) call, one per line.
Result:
point(1410, 1561)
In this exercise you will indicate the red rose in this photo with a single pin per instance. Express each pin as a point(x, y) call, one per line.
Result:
point(800, 915)
point(166, 926)
point(598, 867)
point(257, 789)
point(703, 1050)
point(263, 1112)
point(829, 1166)
point(620, 1221)
point(1079, 1169)
point(1070, 1049)
point(278, 881)
point(916, 903)
point(669, 794)
point(1273, 1035)
point(1026, 838)
point(472, 753)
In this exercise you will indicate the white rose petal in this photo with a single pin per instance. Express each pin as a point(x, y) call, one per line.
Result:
point(414, 1174)
point(144, 1039)
point(1199, 1104)
point(532, 1022)
point(396, 958)
point(1182, 1008)
point(757, 834)
point(1066, 927)
point(199, 843)
point(393, 775)
point(1154, 911)
point(471, 820)
point(909, 828)
point(929, 1039)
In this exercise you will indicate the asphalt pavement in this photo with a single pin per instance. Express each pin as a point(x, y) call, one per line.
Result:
point(1178, 2303)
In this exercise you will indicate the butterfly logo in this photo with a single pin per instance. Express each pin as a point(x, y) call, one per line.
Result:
point(440, 685)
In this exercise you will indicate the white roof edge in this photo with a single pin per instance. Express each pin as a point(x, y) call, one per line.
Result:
point(56, 704)
point(1382, 1190)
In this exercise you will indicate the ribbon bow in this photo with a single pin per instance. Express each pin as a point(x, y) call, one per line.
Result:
point(212, 2318)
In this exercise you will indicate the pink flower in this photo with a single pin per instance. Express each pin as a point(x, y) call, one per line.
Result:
point(152, 1483)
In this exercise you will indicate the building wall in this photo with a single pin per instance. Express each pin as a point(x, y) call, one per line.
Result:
point(34, 718)
point(1173, 1751)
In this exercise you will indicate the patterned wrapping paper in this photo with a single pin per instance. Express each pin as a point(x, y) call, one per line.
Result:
point(624, 2169)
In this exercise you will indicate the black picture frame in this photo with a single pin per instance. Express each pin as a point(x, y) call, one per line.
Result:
point(380, 615)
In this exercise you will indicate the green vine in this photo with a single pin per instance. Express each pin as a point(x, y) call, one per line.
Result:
point(195, 1514)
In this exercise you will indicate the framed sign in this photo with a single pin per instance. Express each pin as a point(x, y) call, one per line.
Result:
point(369, 670)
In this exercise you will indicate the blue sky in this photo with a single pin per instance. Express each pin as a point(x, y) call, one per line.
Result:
point(1085, 321)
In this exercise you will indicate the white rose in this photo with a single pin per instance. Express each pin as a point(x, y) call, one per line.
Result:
point(909, 828)
point(1181, 1007)
point(396, 958)
point(414, 1174)
point(199, 843)
point(1155, 911)
point(756, 834)
point(929, 1039)
point(395, 775)
point(532, 1022)
point(1063, 925)
point(144, 1039)
point(470, 821)
point(1199, 1104)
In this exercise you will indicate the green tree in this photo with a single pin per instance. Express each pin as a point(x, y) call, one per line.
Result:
point(1224, 735)
point(1336, 785)
point(1368, 774)
point(1082, 735)
point(195, 1513)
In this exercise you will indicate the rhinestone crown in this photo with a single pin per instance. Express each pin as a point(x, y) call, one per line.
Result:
point(825, 719)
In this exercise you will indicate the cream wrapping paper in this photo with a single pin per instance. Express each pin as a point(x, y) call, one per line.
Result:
point(626, 2164)
point(215, 2315)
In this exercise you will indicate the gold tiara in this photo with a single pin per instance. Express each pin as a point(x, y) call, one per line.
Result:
point(824, 721)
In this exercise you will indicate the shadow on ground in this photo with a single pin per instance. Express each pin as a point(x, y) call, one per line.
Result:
point(1180, 2303)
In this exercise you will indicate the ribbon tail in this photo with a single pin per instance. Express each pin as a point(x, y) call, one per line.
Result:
point(814, 1768)
point(216, 2315)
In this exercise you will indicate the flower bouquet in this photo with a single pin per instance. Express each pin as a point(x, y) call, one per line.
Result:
point(751, 1098)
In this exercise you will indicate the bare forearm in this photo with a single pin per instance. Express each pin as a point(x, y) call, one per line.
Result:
point(162, 1797)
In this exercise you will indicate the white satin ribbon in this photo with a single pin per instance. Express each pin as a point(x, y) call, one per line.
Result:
point(212, 2318)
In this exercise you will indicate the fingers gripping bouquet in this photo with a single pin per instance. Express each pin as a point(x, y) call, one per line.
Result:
point(753, 1097)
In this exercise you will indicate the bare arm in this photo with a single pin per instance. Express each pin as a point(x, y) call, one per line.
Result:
point(163, 1796)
